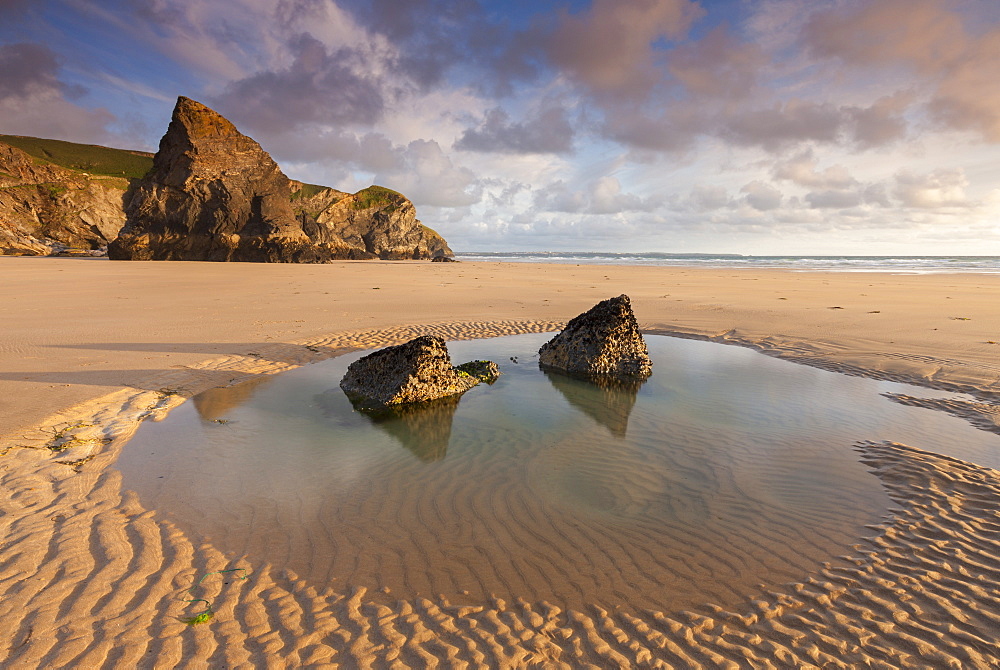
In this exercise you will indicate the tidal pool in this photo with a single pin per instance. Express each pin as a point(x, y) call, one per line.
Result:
point(726, 472)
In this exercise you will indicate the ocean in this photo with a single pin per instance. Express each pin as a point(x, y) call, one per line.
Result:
point(893, 264)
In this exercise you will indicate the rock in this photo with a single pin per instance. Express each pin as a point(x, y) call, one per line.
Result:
point(212, 194)
point(444, 259)
point(484, 371)
point(46, 209)
point(375, 222)
point(602, 341)
point(416, 371)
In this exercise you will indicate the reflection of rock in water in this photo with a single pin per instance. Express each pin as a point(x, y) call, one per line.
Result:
point(422, 427)
point(216, 403)
point(607, 400)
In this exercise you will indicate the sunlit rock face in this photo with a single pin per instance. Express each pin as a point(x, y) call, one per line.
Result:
point(375, 222)
point(46, 209)
point(215, 195)
point(416, 371)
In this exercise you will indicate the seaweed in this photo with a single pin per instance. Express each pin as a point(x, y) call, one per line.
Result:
point(208, 613)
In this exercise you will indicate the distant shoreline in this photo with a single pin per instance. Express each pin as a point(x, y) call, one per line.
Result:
point(897, 264)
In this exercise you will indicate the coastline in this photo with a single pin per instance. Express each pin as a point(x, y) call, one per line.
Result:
point(91, 571)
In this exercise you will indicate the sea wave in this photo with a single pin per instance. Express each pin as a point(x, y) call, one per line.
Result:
point(893, 264)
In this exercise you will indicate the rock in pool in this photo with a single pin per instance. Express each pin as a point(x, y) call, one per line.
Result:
point(602, 341)
point(416, 371)
point(484, 371)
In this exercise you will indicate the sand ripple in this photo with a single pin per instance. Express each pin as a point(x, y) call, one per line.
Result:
point(90, 579)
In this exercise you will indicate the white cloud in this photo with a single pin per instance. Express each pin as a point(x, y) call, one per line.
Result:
point(941, 188)
point(762, 196)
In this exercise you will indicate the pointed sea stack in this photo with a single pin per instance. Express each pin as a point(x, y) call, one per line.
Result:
point(604, 341)
point(213, 194)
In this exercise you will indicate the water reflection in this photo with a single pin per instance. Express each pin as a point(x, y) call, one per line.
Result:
point(606, 400)
point(424, 428)
point(736, 471)
point(216, 403)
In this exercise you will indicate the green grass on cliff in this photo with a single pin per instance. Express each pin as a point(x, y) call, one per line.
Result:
point(376, 196)
point(430, 232)
point(105, 161)
point(84, 157)
point(308, 191)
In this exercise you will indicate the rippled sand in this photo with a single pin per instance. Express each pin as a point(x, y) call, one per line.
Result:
point(91, 579)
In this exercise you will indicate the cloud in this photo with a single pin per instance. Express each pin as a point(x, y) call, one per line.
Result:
point(320, 86)
point(27, 68)
point(796, 121)
point(928, 37)
point(880, 124)
point(430, 35)
point(610, 48)
point(762, 196)
point(834, 199)
point(969, 95)
point(877, 195)
point(677, 128)
point(802, 170)
point(717, 66)
point(548, 132)
point(428, 176)
point(785, 124)
point(371, 152)
point(437, 42)
point(921, 33)
point(940, 188)
point(603, 196)
point(708, 198)
point(34, 101)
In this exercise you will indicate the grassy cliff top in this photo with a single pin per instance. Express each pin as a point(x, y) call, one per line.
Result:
point(127, 164)
point(84, 157)
point(377, 196)
point(308, 191)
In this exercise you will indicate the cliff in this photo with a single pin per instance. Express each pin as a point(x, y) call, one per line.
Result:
point(47, 209)
point(209, 193)
point(215, 194)
point(375, 222)
point(212, 195)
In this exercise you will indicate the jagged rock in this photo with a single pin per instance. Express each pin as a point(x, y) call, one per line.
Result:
point(602, 341)
point(47, 209)
point(416, 371)
point(375, 222)
point(215, 194)
point(444, 259)
point(212, 194)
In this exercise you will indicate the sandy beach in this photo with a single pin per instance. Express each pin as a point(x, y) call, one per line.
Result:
point(90, 348)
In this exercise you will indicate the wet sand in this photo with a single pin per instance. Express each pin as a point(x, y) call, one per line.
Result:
point(90, 348)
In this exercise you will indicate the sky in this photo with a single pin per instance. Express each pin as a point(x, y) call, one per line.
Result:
point(763, 127)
